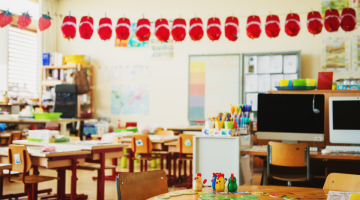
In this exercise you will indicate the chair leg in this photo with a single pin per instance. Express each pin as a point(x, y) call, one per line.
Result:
point(161, 163)
point(28, 189)
point(34, 188)
point(141, 165)
point(190, 175)
point(184, 162)
point(146, 165)
point(289, 183)
point(174, 166)
point(179, 173)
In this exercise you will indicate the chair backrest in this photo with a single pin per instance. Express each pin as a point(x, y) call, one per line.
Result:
point(131, 124)
point(110, 138)
point(185, 143)
point(165, 133)
point(141, 185)
point(343, 182)
point(15, 135)
point(19, 158)
point(141, 144)
point(287, 155)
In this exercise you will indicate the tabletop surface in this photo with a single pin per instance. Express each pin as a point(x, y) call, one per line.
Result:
point(84, 145)
point(5, 166)
point(300, 192)
point(59, 152)
point(186, 128)
point(36, 120)
point(155, 139)
point(262, 151)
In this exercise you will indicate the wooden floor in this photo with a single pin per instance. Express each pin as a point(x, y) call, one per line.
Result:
point(85, 184)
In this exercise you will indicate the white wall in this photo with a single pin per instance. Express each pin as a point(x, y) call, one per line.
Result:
point(4, 32)
point(169, 79)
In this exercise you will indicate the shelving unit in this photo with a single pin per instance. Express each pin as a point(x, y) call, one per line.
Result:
point(45, 86)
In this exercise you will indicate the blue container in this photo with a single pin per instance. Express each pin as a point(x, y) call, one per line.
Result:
point(290, 83)
point(46, 59)
point(2, 127)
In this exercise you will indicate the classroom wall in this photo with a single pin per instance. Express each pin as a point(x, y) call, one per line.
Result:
point(169, 78)
point(4, 32)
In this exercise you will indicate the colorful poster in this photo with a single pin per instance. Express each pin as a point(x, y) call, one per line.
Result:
point(161, 50)
point(129, 99)
point(333, 4)
point(132, 41)
point(356, 54)
point(336, 54)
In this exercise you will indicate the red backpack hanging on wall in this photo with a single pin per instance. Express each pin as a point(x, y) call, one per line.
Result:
point(105, 28)
point(86, 27)
point(253, 27)
point(196, 31)
point(314, 22)
point(232, 30)
point(162, 30)
point(68, 27)
point(143, 30)
point(214, 28)
point(272, 26)
point(348, 19)
point(123, 28)
point(292, 24)
point(178, 30)
point(332, 20)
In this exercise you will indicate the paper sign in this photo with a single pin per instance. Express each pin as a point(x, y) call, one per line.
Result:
point(139, 143)
point(251, 83)
point(275, 79)
point(276, 63)
point(290, 64)
point(250, 65)
point(264, 83)
point(17, 159)
point(263, 64)
point(187, 143)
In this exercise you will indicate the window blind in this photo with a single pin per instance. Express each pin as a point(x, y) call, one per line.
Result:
point(22, 65)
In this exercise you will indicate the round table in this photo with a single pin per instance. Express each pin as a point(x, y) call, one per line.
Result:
point(300, 192)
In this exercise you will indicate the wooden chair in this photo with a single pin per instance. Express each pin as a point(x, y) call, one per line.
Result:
point(290, 156)
point(141, 185)
point(20, 160)
point(142, 145)
point(171, 133)
point(185, 147)
point(342, 182)
point(14, 135)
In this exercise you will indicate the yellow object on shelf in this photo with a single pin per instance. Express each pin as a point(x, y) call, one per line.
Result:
point(310, 82)
point(75, 59)
point(284, 83)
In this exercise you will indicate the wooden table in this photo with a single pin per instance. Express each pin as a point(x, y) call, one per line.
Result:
point(56, 160)
point(181, 129)
point(158, 143)
point(4, 167)
point(4, 137)
point(301, 192)
point(62, 122)
point(98, 154)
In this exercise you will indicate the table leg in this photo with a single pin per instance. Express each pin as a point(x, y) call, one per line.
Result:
point(131, 161)
point(61, 187)
point(63, 129)
point(73, 178)
point(101, 178)
point(169, 166)
point(174, 165)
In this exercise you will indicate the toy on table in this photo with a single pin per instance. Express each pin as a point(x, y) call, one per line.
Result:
point(220, 183)
point(197, 184)
point(213, 180)
point(232, 186)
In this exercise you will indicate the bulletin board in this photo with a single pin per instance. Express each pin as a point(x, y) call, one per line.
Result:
point(214, 84)
point(262, 72)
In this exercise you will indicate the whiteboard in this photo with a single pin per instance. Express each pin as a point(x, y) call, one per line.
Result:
point(214, 84)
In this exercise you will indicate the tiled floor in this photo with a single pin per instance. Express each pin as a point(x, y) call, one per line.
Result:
point(85, 184)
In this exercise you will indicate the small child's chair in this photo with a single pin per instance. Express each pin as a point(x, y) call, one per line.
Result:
point(185, 147)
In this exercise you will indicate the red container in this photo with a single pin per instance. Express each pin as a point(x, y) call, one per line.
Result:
point(325, 80)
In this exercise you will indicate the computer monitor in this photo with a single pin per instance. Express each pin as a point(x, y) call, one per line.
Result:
point(291, 117)
point(344, 120)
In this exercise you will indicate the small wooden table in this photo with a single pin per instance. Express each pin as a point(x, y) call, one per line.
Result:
point(56, 160)
point(158, 142)
point(97, 154)
point(301, 192)
point(181, 129)
point(62, 122)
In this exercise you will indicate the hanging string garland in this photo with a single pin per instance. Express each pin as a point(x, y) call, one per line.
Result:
point(272, 26)
point(253, 27)
point(5, 18)
point(314, 22)
point(105, 28)
point(292, 24)
point(68, 27)
point(86, 27)
point(123, 28)
point(44, 22)
point(348, 19)
point(24, 20)
point(143, 30)
point(332, 20)
point(214, 28)
point(178, 30)
point(196, 31)
point(232, 30)
point(162, 30)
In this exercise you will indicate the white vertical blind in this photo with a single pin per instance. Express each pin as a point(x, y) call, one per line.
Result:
point(22, 66)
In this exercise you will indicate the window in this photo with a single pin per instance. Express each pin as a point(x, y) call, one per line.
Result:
point(22, 64)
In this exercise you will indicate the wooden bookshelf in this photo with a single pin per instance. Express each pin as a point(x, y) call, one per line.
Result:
point(45, 86)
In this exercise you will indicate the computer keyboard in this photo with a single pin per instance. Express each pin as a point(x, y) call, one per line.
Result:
point(348, 149)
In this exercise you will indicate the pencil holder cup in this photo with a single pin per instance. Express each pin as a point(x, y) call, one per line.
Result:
point(229, 125)
point(209, 124)
point(219, 124)
point(284, 83)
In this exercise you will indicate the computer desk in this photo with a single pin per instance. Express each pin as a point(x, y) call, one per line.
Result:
point(332, 162)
